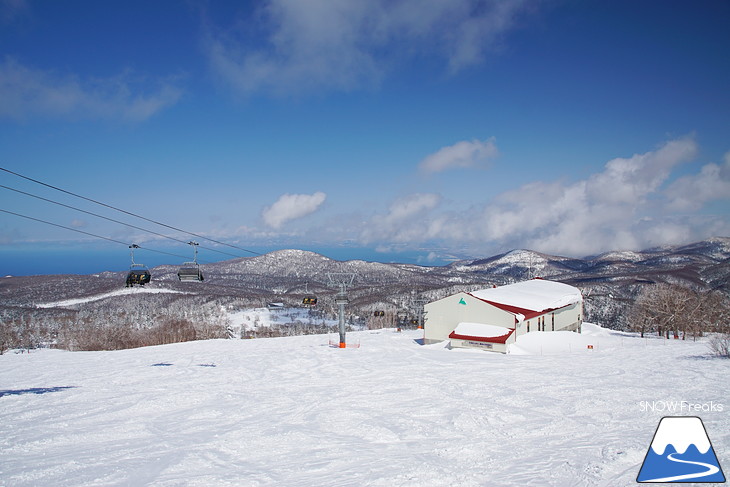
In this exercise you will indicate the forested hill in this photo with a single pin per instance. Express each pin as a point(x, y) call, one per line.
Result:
point(610, 282)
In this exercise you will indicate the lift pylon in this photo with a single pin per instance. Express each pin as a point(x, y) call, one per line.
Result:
point(341, 280)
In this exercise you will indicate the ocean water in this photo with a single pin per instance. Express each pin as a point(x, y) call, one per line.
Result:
point(37, 260)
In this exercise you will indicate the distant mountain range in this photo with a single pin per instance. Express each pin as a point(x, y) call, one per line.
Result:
point(609, 281)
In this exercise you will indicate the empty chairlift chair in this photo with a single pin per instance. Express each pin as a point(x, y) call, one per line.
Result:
point(190, 271)
point(138, 273)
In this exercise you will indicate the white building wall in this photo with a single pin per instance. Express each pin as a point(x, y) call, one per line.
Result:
point(568, 318)
point(443, 315)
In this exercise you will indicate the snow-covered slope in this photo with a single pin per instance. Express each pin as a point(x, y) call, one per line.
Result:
point(295, 412)
point(119, 292)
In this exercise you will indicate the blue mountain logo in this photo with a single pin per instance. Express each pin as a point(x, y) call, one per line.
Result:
point(681, 452)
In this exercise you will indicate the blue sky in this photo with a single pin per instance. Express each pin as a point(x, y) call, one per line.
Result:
point(440, 128)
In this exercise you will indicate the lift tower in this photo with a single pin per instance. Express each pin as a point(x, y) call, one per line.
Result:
point(341, 280)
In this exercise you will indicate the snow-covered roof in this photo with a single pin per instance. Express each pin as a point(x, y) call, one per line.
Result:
point(533, 295)
point(481, 330)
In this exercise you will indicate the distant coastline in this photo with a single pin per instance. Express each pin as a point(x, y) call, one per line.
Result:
point(45, 261)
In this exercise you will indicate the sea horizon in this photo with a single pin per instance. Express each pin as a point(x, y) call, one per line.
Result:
point(42, 260)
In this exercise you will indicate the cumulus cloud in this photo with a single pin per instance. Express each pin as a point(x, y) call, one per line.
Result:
point(626, 205)
point(630, 180)
point(404, 220)
point(460, 155)
point(28, 92)
point(690, 193)
point(291, 207)
point(605, 211)
point(345, 45)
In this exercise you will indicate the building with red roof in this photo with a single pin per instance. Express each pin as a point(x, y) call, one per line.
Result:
point(492, 319)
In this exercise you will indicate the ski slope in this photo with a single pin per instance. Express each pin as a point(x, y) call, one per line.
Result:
point(98, 297)
point(295, 412)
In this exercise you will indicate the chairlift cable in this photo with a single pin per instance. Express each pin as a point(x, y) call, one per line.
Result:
point(127, 212)
point(109, 219)
point(89, 234)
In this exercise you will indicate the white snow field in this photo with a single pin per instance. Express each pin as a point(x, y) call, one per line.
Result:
point(295, 412)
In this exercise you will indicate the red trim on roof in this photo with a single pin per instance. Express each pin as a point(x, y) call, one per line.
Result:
point(528, 313)
point(499, 339)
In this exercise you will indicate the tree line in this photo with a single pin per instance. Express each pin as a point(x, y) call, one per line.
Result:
point(670, 310)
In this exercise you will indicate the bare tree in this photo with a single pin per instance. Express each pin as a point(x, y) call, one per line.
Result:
point(8, 337)
point(671, 309)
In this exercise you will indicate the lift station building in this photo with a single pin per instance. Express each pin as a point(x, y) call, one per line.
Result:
point(492, 319)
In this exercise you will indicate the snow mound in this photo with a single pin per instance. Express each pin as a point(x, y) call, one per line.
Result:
point(562, 342)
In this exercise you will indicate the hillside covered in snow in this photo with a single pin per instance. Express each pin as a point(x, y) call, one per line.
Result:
point(40, 306)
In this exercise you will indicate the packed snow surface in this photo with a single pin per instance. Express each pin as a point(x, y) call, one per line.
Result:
point(481, 330)
point(296, 412)
point(535, 295)
point(559, 342)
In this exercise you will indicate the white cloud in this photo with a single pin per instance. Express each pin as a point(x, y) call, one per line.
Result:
point(343, 45)
point(291, 207)
point(623, 206)
point(603, 212)
point(27, 92)
point(690, 193)
point(629, 181)
point(460, 155)
point(404, 220)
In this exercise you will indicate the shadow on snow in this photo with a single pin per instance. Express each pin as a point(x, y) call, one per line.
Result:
point(33, 390)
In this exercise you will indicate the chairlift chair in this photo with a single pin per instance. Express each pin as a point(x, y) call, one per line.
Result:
point(309, 299)
point(138, 273)
point(379, 313)
point(190, 271)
